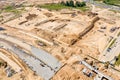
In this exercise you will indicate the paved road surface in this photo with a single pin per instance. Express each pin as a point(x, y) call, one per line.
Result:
point(41, 62)
point(114, 51)
point(33, 63)
point(39, 53)
point(102, 5)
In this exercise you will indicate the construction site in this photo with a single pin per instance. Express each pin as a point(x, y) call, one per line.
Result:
point(67, 44)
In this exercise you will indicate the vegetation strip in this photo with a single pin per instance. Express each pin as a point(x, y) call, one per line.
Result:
point(68, 5)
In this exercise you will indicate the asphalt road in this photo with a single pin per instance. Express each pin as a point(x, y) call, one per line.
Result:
point(102, 5)
point(41, 62)
point(109, 55)
point(38, 66)
point(39, 53)
point(115, 50)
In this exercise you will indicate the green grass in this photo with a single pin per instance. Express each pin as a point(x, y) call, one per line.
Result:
point(118, 34)
point(54, 6)
point(111, 2)
point(85, 8)
point(115, 11)
point(1, 16)
point(60, 6)
point(117, 63)
point(12, 9)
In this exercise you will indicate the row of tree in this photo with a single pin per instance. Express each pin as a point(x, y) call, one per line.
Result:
point(71, 3)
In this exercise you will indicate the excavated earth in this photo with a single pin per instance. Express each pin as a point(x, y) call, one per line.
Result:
point(66, 37)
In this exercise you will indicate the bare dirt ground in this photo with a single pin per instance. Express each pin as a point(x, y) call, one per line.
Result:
point(63, 30)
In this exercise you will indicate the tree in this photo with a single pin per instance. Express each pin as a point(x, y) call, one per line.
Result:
point(80, 4)
point(83, 4)
point(77, 4)
point(67, 3)
point(62, 2)
point(106, 1)
point(72, 3)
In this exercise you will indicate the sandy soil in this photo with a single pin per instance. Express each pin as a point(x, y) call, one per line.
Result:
point(92, 43)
